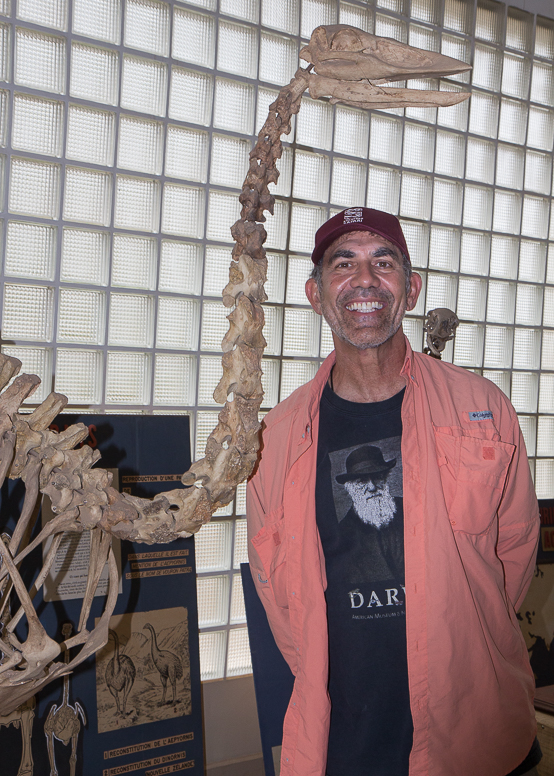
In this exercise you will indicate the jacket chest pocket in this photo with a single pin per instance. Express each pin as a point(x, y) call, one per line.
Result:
point(270, 544)
point(473, 474)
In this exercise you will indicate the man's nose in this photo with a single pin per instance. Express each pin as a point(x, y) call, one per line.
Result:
point(365, 276)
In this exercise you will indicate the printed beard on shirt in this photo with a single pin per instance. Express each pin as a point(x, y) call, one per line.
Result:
point(373, 508)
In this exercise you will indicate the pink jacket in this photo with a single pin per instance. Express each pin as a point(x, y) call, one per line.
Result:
point(471, 530)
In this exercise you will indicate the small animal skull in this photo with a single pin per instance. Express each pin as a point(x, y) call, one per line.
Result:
point(440, 326)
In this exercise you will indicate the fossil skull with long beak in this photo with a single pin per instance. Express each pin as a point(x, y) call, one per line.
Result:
point(350, 65)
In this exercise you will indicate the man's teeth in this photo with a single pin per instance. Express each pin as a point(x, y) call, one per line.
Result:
point(364, 307)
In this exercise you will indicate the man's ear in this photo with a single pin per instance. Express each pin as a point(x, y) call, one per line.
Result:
point(312, 292)
point(415, 288)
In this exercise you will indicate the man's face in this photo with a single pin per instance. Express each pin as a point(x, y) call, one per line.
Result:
point(362, 294)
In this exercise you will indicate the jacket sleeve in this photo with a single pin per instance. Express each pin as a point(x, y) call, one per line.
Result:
point(519, 524)
point(260, 544)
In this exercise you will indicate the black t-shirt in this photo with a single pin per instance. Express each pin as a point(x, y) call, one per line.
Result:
point(360, 521)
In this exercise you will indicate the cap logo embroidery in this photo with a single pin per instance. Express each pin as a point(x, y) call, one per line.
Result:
point(353, 215)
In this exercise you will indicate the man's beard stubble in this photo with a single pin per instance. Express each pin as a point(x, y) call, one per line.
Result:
point(347, 334)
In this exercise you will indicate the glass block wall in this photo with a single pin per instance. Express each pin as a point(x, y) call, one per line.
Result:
point(125, 128)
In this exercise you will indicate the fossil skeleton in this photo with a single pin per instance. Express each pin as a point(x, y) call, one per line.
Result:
point(440, 328)
point(349, 66)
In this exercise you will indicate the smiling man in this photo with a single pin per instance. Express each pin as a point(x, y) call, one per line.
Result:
point(392, 532)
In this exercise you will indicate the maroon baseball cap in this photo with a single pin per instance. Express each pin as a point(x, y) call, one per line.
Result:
point(359, 219)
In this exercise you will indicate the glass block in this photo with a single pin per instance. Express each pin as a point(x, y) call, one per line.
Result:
point(475, 253)
point(266, 97)
point(419, 147)
point(87, 196)
point(447, 201)
point(100, 19)
point(541, 128)
point(94, 74)
point(527, 348)
point(477, 207)
point(327, 344)
point(216, 270)
point(311, 176)
point(278, 58)
point(534, 222)
point(212, 655)
point(450, 154)
point(90, 135)
point(480, 160)
point(213, 601)
point(140, 145)
point(174, 379)
point(48, 13)
point(544, 37)
point(525, 390)
point(383, 189)
point(546, 393)
point(314, 124)
point(547, 360)
point(238, 612)
point(38, 303)
point(273, 329)
point(413, 329)
point(193, 37)
point(529, 305)
point(237, 49)
point(243, 9)
point(4, 116)
point(444, 249)
point(415, 196)
point(441, 291)
point(385, 142)
point(315, 13)
point(186, 154)
point(429, 115)
point(229, 160)
point(355, 16)
point(351, 131)
point(144, 85)
point(275, 284)
point(510, 162)
point(519, 30)
point(147, 26)
point(513, 121)
point(137, 203)
point(127, 378)
point(417, 240)
point(234, 106)
point(545, 437)
point(30, 250)
point(277, 227)
point(239, 660)
point(548, 314)
point(294, 374)
point(240, 554)
point(134, 261)
point(507, 212)
point(206, 421)
point(34, 361)
point(180, 267)
point(550, 270)
point(79, 375)
point(81, 316)
point(190, 96)
point(37, 125)
point(34, 188)
point(301, 333)
point(223, 212)
point(458, 16)
point(544, 478)
point(528, 427)
point(212, 547)
point(348, 183)
point(487, 68)
point(424, 38)
point(388, 27)
point(305, 221)
point(516, 73)
point(85, 256)
point(500, 379)
point(5, 37)
point(270, 381)
point(472, 297)
point(426, 10)
point(458, 48)
point(40, 60)
point(282, 16)
point(131, 320)
point(501, 302)
point(468, 345)
point(504, 255)
point(483, 114)
point(178, 323)
point(209, 376)
point(489, 21)
point(542, 83)
point(214, 325)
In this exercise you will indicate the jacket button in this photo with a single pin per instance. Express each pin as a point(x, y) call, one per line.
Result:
point(452, 522)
